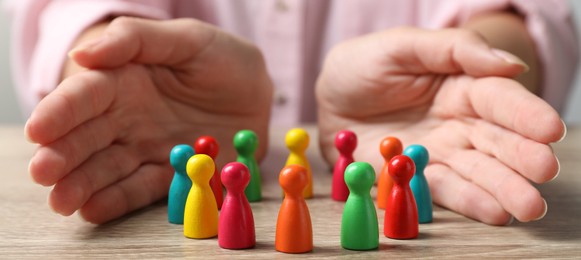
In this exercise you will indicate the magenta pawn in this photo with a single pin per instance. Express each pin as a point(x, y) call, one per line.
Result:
point(236, 223)
point(346, 142)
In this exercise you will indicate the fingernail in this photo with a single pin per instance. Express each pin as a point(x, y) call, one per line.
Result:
point(558, 169)
point(86, 46)
point(510, 221)
point(48, 201)
point(544, 213)
point(80, 216)
point(564, 131)
point(29, 166)
point(510, 58)
point(26, 136)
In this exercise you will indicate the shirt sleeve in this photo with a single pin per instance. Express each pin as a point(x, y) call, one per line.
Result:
point(44, 30)
point(550, 24)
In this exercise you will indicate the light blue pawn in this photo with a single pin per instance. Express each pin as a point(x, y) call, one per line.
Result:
point(419, 184)
point(181, 183)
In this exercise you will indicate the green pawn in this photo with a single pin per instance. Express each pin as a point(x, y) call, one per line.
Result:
point(245, 143)
point(359, 229)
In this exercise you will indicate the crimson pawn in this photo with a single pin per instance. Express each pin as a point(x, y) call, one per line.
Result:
point(236, 223)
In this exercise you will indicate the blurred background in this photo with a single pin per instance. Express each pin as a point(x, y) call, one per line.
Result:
point(9, 108)
point(10, 111)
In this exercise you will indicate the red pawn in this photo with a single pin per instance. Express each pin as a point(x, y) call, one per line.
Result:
point(209, 146)
point(345, 141)
point(401, 212)
point(236, 223)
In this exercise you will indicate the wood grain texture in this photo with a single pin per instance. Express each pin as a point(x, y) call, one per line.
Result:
point(29, 229)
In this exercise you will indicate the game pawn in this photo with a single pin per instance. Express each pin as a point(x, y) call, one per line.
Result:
point(297, 141)
point(359, 228)
point(294, 232)
point(401, 213)
point(236, 223)
point(201, 212)
point(180, 184)
point(345, 142)
point(246, 143)
point(208, 145)
point(389, 147)
point(419, 184)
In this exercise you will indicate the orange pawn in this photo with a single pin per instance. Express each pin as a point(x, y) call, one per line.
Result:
point(294, 233)
point(389, 147)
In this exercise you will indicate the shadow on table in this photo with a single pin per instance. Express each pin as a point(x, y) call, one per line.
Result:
point(563, 219)
point(133, 224)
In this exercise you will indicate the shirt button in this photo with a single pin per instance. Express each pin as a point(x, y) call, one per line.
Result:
point(281, 6)
point(279, 98)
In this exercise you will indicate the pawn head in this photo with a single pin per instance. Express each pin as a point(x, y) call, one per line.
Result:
point(346, 142)
point(297, 139)
point(293, 179)
point(207, 145)
point(179, 156)
point(200, 168)
point(389, 147)
point(245, 142)
point(359, 177)
point(419, 154)
point(401, 168)
point(235, 176)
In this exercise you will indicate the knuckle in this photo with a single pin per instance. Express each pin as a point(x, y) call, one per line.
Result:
point(189, 23)
point(256, 55)
point(469, 35)
point(127, 28)
point(124, 22)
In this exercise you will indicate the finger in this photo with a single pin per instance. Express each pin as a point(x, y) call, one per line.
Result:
point(506, 103)
point(450, 51)
point(145, 41)
point(535, 161)
point(76, 100)
point(453, 192)
point(53, 161)
point(503, 102)
point(145, 186)
point(101, 170)
point(513, 192)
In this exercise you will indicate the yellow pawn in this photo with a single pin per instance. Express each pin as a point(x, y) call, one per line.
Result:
point(297, 141)
point(201, 212)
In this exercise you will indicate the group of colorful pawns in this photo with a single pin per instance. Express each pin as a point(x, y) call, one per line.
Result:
point(196, 193)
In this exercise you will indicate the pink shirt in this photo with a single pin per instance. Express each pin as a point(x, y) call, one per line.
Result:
point(294, 36)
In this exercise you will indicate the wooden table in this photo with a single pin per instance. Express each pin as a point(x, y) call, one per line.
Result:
point(29, 229)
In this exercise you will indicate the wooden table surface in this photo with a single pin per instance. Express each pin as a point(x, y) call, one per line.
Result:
point(29, 229)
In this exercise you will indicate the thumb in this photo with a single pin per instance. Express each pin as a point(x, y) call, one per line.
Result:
point(451, 51)
point(145, 41)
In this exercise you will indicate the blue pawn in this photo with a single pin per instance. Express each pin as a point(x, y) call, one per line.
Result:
point(419, 184)
point(181, 183)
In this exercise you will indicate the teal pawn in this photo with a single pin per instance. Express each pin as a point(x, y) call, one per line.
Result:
point(359, 228)
point(246, 143)
point(181, 183)
point(419, 184)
